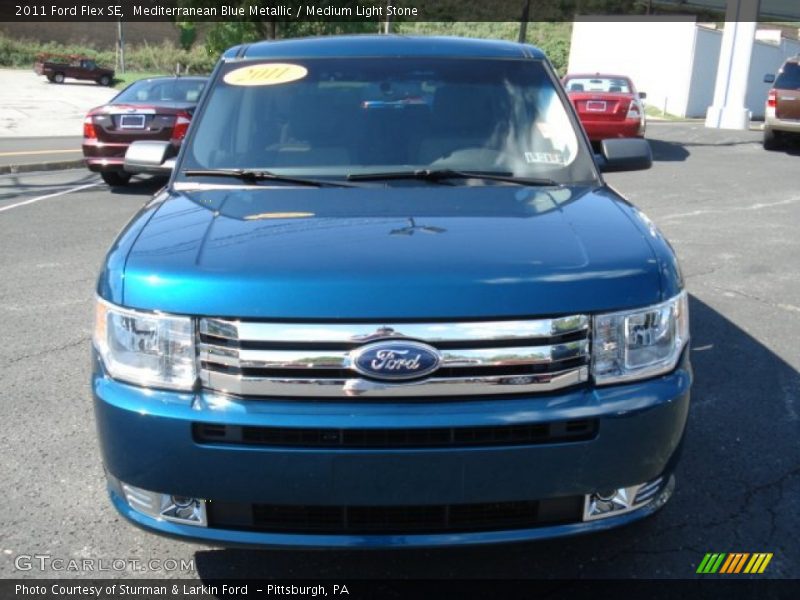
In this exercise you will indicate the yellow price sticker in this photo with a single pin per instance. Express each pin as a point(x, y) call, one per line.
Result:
point(265, 74)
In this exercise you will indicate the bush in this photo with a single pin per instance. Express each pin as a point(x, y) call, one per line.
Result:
point(552, 38)
point(160, 58)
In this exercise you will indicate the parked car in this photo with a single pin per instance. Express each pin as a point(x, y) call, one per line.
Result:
point(387, 299)
point(159, 108)
point(58, 67)
point(782, 114)
point(608, 105)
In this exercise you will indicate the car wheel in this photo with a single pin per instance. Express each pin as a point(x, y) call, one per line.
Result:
point(115, 179)
point(58, 78)
point(104, 80)
point(772, 140)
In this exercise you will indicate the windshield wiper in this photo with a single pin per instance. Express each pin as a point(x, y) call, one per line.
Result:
point(437, 175)
point(256, 176)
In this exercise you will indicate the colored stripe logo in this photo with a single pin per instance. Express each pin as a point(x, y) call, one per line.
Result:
point(734, 563)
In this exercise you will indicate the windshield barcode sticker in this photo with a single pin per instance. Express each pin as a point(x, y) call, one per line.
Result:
point(550, 158)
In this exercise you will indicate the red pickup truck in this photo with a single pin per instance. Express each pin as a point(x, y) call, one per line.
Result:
point(57, 67)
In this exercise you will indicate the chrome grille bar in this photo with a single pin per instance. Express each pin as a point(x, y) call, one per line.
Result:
point(309, 360)
point(300, 359)
point(342, 388)
point(432, 333)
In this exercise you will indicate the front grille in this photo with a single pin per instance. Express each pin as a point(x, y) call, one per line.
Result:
point(449, 437)
point(395, 519)
point(312, 360)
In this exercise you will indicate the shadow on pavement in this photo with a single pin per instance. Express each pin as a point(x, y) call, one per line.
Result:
point(668, 151)
point(140, 185)
point(13, 185)
point(789, 145)
point(737, 491)
point(79, 82)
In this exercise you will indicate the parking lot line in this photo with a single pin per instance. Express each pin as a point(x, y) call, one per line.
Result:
point(30, 152)
point(46, 196)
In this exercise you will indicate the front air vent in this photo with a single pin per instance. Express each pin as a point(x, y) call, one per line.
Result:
point(436, 518)
point(442, 437)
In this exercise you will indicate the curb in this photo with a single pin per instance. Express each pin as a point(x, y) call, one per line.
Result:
point(45, 166)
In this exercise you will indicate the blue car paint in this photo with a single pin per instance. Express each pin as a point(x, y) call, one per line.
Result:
point(145, 433)
point(380, 45)
point(210, 253)
point(557, 261)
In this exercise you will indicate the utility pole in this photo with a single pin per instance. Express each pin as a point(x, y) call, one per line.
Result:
point(121, 47)
point(387, 24)
point(523, 25)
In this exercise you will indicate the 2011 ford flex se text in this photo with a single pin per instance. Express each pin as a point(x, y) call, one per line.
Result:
point(386, 299)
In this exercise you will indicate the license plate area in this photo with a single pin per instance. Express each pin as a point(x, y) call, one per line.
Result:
point(131, 121)
point(596, 106)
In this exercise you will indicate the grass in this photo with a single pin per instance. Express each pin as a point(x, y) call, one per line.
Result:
point(657, 113)
point(121, 81)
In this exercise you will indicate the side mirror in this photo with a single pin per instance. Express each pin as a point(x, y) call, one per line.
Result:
point(642, 95)
point(769, 78)
point(150, 157)
point(625, 154)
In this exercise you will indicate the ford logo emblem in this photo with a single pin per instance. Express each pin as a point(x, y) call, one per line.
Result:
point(395, 359)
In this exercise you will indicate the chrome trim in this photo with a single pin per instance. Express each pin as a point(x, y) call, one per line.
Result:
point(483, 331)
point(623, 500)
point(334, 359)
point(342, 388)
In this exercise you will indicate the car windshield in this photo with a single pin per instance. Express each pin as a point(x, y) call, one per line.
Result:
point(342, 117)
point(789, 77)
point(598, 84)
point(162, 90)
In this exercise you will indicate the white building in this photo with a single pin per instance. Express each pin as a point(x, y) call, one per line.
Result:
point(675, 62)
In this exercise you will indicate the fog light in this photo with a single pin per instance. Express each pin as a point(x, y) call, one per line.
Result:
point(179, 509)
point(610, 503)
point(181, 501)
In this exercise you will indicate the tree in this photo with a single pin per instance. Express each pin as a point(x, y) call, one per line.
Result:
point(187, 34)
point(222, 35)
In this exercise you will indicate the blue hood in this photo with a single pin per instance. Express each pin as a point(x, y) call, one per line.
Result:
point(399, 252)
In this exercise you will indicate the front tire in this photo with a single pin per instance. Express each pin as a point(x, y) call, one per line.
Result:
point(115, 179)
point(58, 78)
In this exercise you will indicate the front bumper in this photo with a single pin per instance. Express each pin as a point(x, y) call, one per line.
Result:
point(147, 441)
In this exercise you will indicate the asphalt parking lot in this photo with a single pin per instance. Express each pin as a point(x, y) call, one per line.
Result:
point(28, 102)
point(730, 209)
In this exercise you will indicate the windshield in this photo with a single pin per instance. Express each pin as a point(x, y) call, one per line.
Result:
point(342, 117)
point(789, 77)
point(608, 85)
point(162, 90)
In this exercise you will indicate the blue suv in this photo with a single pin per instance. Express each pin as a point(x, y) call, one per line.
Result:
point(387, 299)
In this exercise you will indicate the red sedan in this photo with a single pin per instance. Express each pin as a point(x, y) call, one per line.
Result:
point(149, 109)
point(608, 105)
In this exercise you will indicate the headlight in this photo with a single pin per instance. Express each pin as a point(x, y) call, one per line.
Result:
point(145, 348)
point(640, 343)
